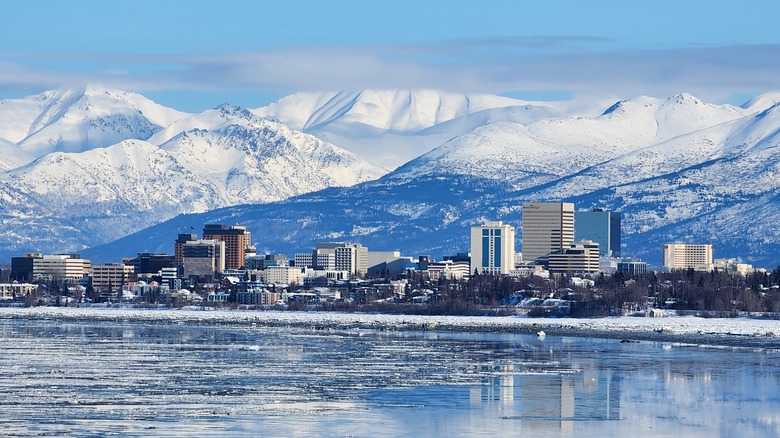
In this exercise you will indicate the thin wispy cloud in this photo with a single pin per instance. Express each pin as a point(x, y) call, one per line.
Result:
point(581, 66)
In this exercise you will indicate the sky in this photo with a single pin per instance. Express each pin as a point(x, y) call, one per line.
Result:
point(193, 55)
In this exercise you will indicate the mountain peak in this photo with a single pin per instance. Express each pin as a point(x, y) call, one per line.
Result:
point(685, 98)
point(762, 102)
point(229, 110)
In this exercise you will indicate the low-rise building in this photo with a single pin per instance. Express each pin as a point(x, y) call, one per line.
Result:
point(260, 297)
point(449, 270)
point(579, 257)
point(634, 267)
point(111, 276)
point(60, 267)
point(282, 275)
point(732, 266)
point(9, 291)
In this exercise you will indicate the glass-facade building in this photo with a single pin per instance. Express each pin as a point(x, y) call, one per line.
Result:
point(600, 226)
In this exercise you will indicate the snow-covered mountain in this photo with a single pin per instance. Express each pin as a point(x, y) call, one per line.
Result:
point(393, 127)
point(679, 169)
point(66, 200)
point(528, 155)
point(75, 120)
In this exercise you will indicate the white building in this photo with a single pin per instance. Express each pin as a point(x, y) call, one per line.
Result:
point(282, 275)
point(528, 270)
point(9, 291)
point(492, 248)
point(732, 266)
point(338, 256)
point(60, 267)
point(449, 270)
point(379, 257)
point(546, 227)
point(685, 256)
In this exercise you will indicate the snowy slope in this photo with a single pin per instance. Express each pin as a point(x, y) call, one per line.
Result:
point(526, 155)
point(385, 110)
point(260, 160)
point(392, 127)
point(75, 120)
point(11, 156)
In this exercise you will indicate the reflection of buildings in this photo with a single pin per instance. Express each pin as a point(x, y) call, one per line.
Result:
point(542, 400)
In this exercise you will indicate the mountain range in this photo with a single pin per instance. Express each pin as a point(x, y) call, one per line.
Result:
point(678, 168)
point(88, 166)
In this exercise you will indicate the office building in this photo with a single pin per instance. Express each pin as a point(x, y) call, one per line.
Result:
point(150, 263)
point(337, 256)
point(236, 238)
point(581, 258)
point(633, 267)
point(60, 267)
point(282, 275)
point(546, 227)
point(22, 267)
point(602, 227)
point(178, 249)
point(204, 259)
point(111, 276)
point(260, 262)
point(492, 248)
point(685, 256)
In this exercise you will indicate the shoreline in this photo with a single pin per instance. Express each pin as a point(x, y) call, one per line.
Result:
point(728, 332)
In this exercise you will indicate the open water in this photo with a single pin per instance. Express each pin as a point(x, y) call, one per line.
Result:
point(81, 378)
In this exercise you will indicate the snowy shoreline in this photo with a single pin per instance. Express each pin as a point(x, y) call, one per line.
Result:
point(738, 332)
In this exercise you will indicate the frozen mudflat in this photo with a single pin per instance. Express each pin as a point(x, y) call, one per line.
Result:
point(125, 372)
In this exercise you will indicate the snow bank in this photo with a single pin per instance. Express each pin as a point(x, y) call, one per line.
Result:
point(739, 331)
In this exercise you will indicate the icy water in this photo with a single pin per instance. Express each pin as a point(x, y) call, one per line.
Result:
point(77, 378)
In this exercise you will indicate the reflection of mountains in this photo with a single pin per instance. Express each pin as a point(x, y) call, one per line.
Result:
point(541, 400)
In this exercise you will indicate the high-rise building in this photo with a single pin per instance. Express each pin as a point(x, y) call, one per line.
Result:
point(492, 248)
point(602, 227)
point(340, 256)
point(685, 256)
point(178, 251)
point(546, 227)
point(581, 257)
point(237, 239)
point(204, 259)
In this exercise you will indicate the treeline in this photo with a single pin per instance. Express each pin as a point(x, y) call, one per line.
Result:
point(715, 293)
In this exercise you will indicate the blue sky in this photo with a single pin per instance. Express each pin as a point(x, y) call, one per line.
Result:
point(193, 55)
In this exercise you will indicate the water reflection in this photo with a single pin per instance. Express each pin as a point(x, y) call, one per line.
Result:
point(544, 402)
